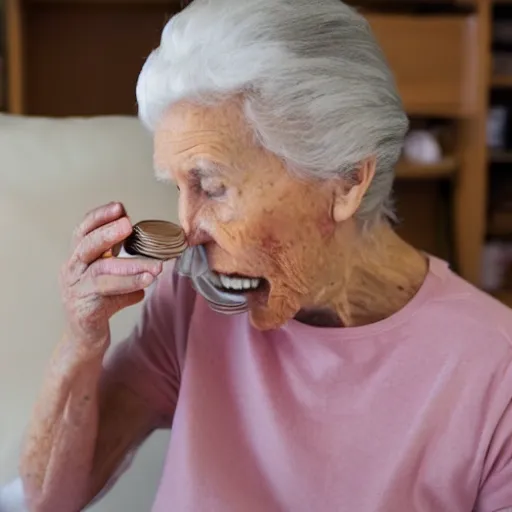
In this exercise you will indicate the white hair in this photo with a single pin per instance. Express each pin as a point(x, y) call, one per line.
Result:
point(317, 89)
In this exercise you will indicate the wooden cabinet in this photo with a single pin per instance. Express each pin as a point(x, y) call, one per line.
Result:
point(441, 66)
point(80, 57)
point(433, 60)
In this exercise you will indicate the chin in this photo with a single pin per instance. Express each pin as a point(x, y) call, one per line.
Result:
point(272, 313)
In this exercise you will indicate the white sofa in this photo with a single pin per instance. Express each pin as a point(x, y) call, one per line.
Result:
point(51, 172)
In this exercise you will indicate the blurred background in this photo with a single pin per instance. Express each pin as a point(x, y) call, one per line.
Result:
point(68, 70)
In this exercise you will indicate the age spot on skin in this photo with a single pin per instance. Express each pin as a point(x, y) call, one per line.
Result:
point(326, 226)
point(270, 244)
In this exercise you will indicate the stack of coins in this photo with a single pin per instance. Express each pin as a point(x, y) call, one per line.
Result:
point(158, 239)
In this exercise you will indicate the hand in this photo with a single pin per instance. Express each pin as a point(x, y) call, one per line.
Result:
point(95, 288)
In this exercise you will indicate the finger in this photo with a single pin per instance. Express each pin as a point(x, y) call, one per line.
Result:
point(97, 242)
point(108, 285)
point(125, 267)
point(98, 217)
point(120, 302)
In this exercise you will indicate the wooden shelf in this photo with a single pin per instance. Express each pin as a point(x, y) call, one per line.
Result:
point(500, 157)
point(504, 296)
point(500, 224)
point(49, 37)
point(503, 81)
point(441, 82)
point(446, 168)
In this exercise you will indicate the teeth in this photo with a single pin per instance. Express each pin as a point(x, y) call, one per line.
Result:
point(214, 279)
point(238, 283)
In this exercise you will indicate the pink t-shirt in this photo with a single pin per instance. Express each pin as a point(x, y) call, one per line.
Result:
point(410, 414)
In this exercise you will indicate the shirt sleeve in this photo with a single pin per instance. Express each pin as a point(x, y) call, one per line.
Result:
point(496, 490)
point(150, 360)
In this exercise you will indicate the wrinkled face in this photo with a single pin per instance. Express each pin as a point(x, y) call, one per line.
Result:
point(256, 220)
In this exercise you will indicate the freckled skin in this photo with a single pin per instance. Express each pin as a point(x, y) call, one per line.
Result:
point(270, 223)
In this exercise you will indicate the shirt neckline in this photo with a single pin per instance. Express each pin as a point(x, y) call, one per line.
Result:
point(438, 270)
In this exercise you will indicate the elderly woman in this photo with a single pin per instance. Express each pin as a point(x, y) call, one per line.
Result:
point(365, 375)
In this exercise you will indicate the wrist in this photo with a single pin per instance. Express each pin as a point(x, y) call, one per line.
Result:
point(81, 349)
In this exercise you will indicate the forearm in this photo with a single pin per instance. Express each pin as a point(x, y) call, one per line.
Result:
point(59, 446)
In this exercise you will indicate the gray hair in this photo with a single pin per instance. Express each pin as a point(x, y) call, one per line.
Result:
point(317, 89)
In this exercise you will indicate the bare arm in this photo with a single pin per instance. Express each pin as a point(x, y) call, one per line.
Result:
point(83, 424)
point(61, 437)
point(82, 428)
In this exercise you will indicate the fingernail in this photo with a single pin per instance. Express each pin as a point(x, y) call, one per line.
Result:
point(155, 271)
point(147, 278)
point(119, 208)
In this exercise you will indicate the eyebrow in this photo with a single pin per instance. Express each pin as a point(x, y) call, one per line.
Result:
point(205, 168)
point(162, 175)
point(202, 168)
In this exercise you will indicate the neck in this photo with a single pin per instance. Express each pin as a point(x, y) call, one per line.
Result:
point(378, 276)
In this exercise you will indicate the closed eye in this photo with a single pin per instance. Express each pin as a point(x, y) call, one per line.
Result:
point(214, 192)
point(211, 187)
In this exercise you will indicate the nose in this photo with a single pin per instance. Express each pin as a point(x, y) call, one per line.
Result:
point(191, 222)
point(198, 237)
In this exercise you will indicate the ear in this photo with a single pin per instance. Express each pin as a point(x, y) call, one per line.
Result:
point(348, 196)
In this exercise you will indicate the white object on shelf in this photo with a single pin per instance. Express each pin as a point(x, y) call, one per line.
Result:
point(422, 147)
point(496, 126)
